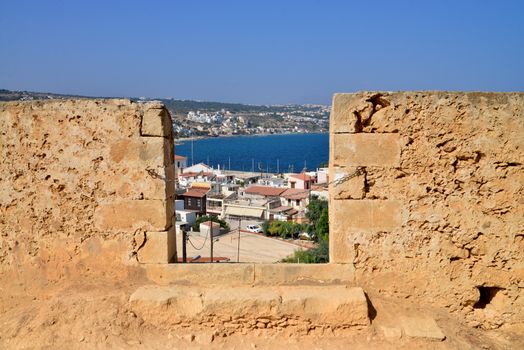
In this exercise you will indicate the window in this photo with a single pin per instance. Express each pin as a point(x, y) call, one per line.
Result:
point(293, 184)
point(298, 201)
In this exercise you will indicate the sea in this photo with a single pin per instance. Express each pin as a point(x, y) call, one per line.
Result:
point(268, 153)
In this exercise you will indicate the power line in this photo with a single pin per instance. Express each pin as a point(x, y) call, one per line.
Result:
point(202, 244)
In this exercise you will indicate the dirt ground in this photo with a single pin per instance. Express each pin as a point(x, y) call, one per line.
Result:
point(98, 316)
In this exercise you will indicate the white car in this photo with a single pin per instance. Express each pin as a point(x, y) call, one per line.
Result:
point(254, 228)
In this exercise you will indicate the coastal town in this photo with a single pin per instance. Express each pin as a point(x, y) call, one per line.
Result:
point(243, 202)
point(193, 118)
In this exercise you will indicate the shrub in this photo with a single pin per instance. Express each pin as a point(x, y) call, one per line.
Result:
point(318, 255)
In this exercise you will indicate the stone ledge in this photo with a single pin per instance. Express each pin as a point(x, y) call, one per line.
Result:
point(303, 274)
point(201, 274)
point(332, 306)
point(251, 274)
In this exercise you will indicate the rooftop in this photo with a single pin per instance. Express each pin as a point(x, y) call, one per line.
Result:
point(301, 176)
point(295, 193)
point(266, 191)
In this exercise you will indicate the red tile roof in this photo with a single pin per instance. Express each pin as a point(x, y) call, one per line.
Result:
point(194, 193)
point(177, 157)
point(302, 176)
point(266, 191)
point(295, 193)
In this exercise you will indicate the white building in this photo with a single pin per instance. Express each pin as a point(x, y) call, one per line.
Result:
point(185, 219)
point(199, 168)
point(180, 164)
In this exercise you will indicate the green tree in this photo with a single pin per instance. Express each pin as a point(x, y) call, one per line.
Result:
point(322, 226)
point(315, 209)
point(265, 227)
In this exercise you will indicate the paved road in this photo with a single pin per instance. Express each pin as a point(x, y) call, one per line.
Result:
point(253, 248)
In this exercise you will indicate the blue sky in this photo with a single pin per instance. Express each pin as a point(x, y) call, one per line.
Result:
point(260, 51)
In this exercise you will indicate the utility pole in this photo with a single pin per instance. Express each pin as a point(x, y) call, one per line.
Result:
point(238, 243)
point(184, 246)
point(211, 235)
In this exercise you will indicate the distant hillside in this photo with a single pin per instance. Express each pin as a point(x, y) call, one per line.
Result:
point(176, 106)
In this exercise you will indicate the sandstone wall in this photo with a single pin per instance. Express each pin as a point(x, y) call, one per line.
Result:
point(85, 188)
point(429, 201)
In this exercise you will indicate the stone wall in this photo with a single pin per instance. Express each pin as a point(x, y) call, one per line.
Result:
point(427, 199)
point(86, 188)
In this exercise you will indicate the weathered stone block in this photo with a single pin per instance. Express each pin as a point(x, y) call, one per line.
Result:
point(139, 183)
point(290, 274)
point(347, 183)
point(158, 248)
point(353, 150)
point(326, 305)
point(339, 250)
point(365, 215)
point(156, 122)
point(343, 118)
point(151, 215)
point(421, 327)
point(150, 152)
point(202, 274)
point(342, 306)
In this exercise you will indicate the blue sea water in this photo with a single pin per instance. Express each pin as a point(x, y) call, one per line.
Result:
point(285, 152)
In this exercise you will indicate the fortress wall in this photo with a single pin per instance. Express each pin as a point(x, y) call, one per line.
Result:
point(430, 202)
point(86, 188)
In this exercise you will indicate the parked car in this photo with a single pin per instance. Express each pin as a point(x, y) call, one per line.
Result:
point(254, 228)
point(305, 236)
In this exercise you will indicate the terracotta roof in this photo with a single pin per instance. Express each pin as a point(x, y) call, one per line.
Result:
point(265, 191)
point(295, 193)
point(292, 212)
point(194, 193)
point(302, 176)
point(319, 187)
point(177, 157)
point(201, 185)
point(281, 209)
